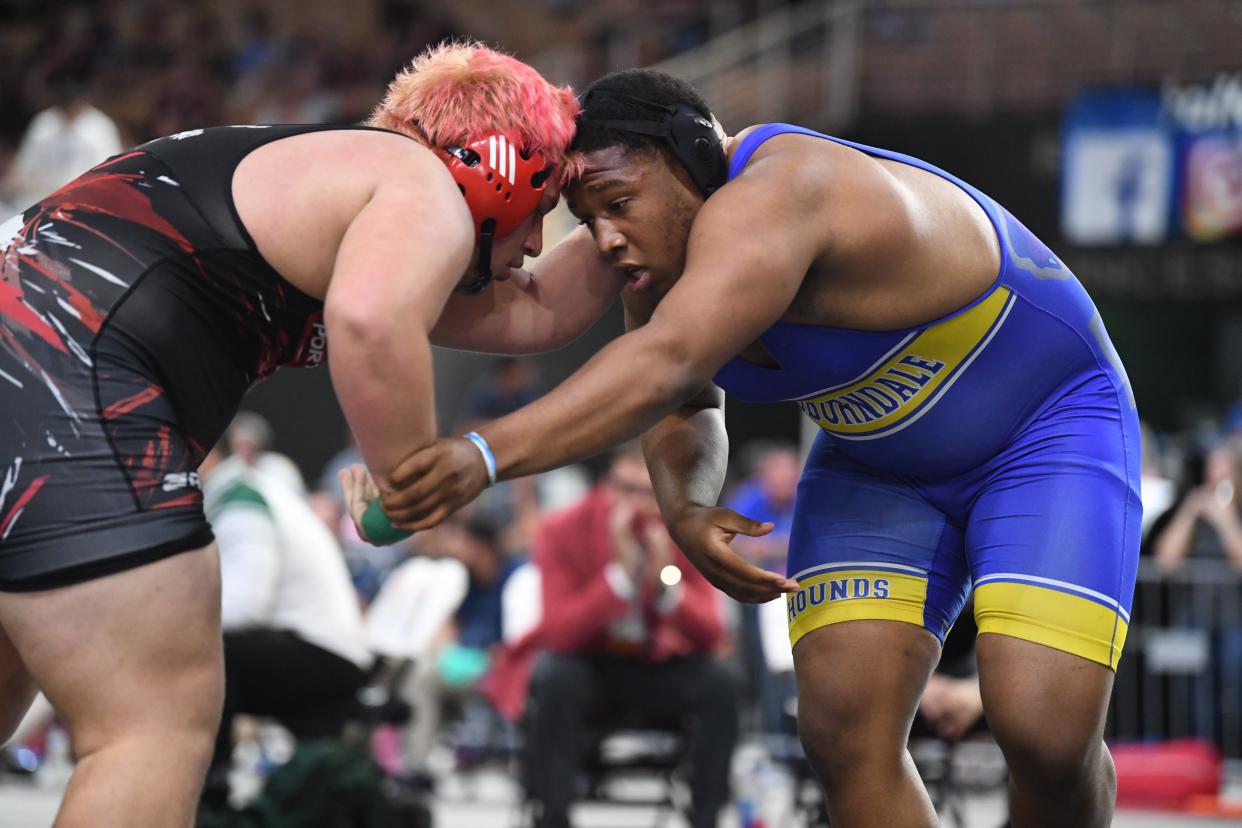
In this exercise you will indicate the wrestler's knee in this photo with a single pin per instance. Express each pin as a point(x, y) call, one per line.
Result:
point(856, 721)
point(1043, 758)
point(181, 714)
point(843, 733)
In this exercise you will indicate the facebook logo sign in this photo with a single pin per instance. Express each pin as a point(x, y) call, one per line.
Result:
point(1118, 169)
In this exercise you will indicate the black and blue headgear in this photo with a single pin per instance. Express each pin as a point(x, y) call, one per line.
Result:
point(688, 133)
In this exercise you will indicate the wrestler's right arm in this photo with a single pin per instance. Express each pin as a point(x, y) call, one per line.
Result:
point(687, 455)
point(400, 259)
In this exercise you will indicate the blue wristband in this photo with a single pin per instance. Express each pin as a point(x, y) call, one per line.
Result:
point(378, 528)
point(489, 459)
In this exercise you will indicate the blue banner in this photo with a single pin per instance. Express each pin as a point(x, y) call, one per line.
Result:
point(1117, 171)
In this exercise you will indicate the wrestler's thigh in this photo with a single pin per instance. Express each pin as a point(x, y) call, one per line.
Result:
point(136, 648)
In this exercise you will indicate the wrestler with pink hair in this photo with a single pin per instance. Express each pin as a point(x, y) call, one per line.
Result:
point(141, 301)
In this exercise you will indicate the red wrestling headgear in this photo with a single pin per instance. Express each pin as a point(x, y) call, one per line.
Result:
point(502, 187)
point(502, 183)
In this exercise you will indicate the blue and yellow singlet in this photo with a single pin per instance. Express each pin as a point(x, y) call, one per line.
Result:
point(996, 448)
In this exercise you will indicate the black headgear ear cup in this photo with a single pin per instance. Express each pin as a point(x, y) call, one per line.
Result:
point(702, 149)
point(697, 145)
point(691, 137)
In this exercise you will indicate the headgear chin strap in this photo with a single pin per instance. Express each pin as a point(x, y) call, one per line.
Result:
point(502, 185)
point(483, 271)
point(691, 137)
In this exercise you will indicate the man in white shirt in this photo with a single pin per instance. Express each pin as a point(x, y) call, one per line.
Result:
point(60, 143)
point(294, 641)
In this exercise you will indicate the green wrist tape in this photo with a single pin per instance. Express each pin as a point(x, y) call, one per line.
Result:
point(378, 528)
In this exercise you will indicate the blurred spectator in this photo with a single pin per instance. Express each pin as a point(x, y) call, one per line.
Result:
point(952, 705)
point(1233, 418)
point(249, 439)
point(61, 142)
point(510, 384)
point(562, 487)
point(186, 96)
point(462, 651)
point(629, 626)
point(328, 509)
point(294, 642)
point(766, 494)
point(249, 436)
point(1157, 490)
point(298, 95)
point(1206, 524)
point(1207, 521)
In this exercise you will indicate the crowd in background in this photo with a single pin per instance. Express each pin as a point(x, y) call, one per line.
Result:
point(159, 69)
point(156, 69)
point(149, 69)
point(113, 73)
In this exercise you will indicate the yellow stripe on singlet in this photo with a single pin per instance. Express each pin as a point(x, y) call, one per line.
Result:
point(1056, 619)
point(853, 595)
point(913, 378)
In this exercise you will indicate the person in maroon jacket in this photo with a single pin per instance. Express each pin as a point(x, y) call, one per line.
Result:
point(629, 628)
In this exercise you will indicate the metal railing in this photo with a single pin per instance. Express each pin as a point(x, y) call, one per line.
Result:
point(796, 63)
point(1181, 673)
point(824, 63)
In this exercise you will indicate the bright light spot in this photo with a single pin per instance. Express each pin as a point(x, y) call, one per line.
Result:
point(670, 575)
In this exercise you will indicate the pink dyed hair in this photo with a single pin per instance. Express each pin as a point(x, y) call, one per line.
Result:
point(574, 167)
point(457, 91)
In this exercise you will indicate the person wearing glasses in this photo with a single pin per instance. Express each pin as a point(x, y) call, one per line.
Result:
point(629, 629)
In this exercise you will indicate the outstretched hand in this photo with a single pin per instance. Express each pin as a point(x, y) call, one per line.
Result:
point(703, 533)
point(434, 482)
point(359, 490)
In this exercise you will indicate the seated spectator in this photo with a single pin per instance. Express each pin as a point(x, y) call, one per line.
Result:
point(1207, 521)
point(294, 644)
point(249, 439)
point(629, 627)
point(61, 142)
point(462, 652)
point(1206, 524)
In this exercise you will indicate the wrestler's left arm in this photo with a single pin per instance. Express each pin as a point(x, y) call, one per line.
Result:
point(749, 249)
